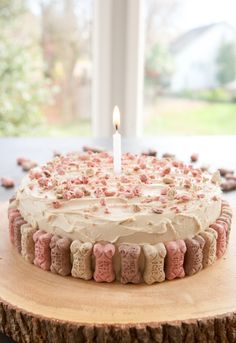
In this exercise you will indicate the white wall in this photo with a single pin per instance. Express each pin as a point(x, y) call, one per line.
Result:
point(118, 66)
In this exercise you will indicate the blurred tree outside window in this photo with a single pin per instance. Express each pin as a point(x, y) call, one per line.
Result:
point(45, 67)
point(190, 67)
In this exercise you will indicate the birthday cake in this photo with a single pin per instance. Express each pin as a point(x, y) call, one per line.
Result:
point(159, 219)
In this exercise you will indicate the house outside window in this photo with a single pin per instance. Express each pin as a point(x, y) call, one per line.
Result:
point(190, 68)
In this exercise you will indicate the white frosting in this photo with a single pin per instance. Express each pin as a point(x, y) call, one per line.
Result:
point(120, 217)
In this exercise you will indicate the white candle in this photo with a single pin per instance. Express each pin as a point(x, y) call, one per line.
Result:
point(116, 142)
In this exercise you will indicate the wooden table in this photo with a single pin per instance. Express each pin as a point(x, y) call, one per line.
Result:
point(214, 151)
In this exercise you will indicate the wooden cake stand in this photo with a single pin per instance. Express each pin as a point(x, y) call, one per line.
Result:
point(38, 306)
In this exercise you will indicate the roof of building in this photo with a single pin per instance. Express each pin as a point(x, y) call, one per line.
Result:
point(189, 37)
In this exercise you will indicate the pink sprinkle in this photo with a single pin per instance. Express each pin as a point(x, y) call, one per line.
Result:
point(143, 178)
point(103, 182)
point(214, 198)
point(195, 172)
point(137, 191)
point(104, 154)
point(98, 193)
point(96, 160)
point(56, 204)
point(175, 209)
point(163, 191)
point(42, 181)
point(85, 180)
point(124, 179)
point(128, 195)
point(103, 202)
point(35, 173)
point(185, 198)
point(175, 164)
point(142, 165)
point(156, 198)
point(79, 193)
point(147, 200)
point(109, 193)
point(68, 195)
point(136, 168)
point(165, 171)
point(90, 164)
point(61, 171)
point(83, 157)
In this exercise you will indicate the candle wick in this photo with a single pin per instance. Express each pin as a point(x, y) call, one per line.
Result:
point(116, 127)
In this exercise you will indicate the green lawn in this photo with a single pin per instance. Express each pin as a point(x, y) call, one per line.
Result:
point(82, 128)
point(180, 116)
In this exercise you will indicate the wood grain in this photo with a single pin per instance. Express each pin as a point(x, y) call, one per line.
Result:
point(38, 306)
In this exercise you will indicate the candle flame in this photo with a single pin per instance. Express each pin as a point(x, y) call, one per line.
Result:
point(116, 117)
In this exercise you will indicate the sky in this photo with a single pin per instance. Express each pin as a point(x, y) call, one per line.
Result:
point(193, 13)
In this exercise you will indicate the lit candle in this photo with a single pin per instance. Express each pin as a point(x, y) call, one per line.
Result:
point(116, 142)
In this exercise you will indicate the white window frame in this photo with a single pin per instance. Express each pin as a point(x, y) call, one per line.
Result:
point(118, 56)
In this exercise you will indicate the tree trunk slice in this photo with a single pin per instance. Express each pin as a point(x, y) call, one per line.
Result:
point(38, 306)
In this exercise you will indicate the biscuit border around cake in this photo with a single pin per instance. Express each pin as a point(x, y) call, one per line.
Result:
point(125, 263)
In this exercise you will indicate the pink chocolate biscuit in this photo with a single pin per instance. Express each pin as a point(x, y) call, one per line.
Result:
point(129, 254)
point(175, 259)
point(227, 228)
point(225, 218)
point(194, 255)
point(221, 243)
point(17, 232)
point(227, 210)
point(103, 254)
point(60, 255)
point(13, 215)
point(42, 249)
point(11, 208)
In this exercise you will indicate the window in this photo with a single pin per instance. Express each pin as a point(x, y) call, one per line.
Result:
point(46, 67)
point(190, 67)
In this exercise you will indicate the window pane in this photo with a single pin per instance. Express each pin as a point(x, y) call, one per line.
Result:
point(45, 67)
point(190, 67)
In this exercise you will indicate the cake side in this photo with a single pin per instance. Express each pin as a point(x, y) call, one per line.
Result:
point(127, 263)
